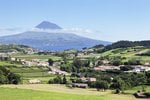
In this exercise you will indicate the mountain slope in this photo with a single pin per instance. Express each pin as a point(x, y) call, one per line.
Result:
point(50, 41)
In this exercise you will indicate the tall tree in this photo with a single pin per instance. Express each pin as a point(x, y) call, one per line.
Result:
point(50, 61)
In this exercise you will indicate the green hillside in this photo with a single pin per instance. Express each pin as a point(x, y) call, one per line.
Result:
point(129, 53)
point(15, 48)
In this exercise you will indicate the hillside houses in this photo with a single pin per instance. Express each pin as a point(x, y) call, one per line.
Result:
point(136, 68)
point(55, 70)
point(105, 68)
point(80, 85)
point(139, 68)
point(88, 79)
point(34, 62)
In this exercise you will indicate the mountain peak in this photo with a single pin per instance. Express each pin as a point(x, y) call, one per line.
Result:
point(48, 25)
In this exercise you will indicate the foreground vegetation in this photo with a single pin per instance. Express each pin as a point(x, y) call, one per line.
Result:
point(57, 92)
point(22, 94)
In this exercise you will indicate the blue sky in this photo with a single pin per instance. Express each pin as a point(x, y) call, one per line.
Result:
point(110, 20)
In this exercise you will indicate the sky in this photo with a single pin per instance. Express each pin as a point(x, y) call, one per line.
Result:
point(109, 20)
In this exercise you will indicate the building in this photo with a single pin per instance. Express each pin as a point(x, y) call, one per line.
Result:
point(80, 85)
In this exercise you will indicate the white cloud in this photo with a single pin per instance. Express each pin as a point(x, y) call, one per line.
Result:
point(78, 31)
point(10, 31)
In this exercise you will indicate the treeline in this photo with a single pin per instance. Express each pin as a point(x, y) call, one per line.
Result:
point(125, 44)
point(8, 77)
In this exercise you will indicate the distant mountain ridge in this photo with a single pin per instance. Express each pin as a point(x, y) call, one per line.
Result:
point(50, 41)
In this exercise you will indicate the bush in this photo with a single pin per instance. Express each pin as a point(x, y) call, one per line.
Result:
point(126, 68)
point(102, 85)
point(57, 80)
point(3, 78)
point(14, 78)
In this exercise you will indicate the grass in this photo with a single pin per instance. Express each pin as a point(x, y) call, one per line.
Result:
point(58, 92)
point(135, 89)
point(24, 94)
point(5, 63)
point(129, 53)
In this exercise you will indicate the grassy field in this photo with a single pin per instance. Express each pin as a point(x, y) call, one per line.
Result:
point(5, 63)
point(129, 53)
point(36, 56)
point(135, 89)
point(57, 92)
point(22, 94)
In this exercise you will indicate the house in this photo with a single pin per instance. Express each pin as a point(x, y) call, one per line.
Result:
point(34, 81)
point(80, 85)
point(139, 68)
point(58, 71)
point(105, 68)
point(13, 59)
point(83, 79)
point(43, 63)
point(92, 79)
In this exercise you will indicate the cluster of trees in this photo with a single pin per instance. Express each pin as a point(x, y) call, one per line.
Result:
point(7, 77)
point(81, 63)
point(58, 80)
point(76, 66)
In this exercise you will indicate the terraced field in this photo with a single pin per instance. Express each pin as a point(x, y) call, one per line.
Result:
point(36, 56)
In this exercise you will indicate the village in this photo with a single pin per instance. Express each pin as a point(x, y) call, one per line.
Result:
point(55, 68)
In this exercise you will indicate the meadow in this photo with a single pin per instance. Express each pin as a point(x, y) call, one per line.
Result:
point(57, 92)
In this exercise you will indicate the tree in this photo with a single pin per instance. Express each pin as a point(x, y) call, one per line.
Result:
point(102, 85)
point(77, 63)
point(57, 80)
point(50, 61)
point(64, 81)
point(3, 78)
point(119, 85)
point(14, 78)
